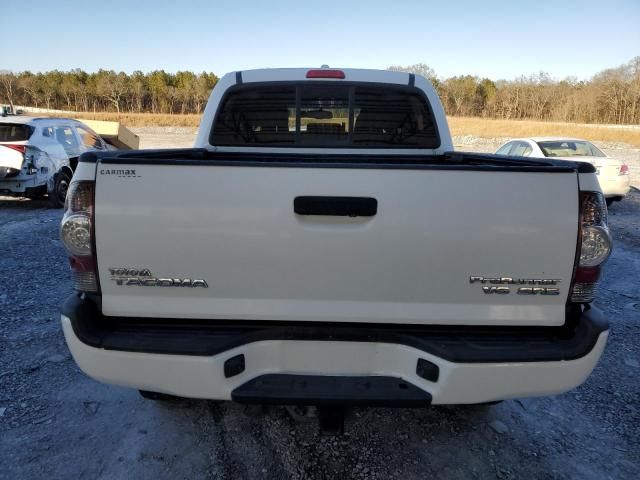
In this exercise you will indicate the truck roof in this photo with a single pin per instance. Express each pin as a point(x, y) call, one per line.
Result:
point(351, 74)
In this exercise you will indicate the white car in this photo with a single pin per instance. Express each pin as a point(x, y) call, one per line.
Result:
point(39, 155)
point(613, 174)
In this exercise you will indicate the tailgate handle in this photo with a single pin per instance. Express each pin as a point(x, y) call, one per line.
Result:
point(336, 206)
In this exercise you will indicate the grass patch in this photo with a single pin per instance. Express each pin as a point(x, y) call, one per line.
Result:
point(488, 128)
point(139, 119)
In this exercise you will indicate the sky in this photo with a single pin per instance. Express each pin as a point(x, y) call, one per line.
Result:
point(487, 38)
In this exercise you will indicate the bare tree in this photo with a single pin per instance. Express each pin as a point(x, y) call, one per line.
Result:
point(419, 69)
point(112, 87)
point(9, 83)
point(30, 86)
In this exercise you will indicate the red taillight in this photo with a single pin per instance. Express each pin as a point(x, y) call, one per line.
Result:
point(594, 247)
point(624, 169)
point(17, 148)
point(587, 274)
point(324, 73)
point(77, 234)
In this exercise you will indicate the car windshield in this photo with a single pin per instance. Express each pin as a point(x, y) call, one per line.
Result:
point(569, 148)
point(14, 132)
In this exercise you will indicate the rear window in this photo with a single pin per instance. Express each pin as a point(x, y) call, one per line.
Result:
point(569, 148)
point(12, 132)
point(325, 115)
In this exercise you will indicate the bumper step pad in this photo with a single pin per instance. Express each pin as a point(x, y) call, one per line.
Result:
point(321, 390)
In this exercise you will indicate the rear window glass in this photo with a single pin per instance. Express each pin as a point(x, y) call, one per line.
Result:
point(11, 132)
point(257, 116)
point(387, 117)
point(321, 115)
point(569, 148)
point(324, 116)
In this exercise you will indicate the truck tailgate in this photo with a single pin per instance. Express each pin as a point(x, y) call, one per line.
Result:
point(235, 228)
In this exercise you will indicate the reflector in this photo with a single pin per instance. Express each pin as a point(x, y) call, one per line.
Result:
point(587, 274)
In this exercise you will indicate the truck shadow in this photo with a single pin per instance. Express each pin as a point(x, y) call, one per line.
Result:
point(444, 442)
point(20, 203)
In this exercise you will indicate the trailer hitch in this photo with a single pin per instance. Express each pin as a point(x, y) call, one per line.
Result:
point(331, 420)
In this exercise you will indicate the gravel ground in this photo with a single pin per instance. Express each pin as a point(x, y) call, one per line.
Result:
point(57, 423)
point(165, 137)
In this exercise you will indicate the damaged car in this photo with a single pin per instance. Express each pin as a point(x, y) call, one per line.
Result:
point(39, 155)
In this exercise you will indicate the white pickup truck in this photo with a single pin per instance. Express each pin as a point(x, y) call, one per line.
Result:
point(323, 245)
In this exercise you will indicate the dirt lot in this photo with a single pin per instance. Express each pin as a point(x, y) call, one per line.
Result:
point(165, 137)
point(57, 423)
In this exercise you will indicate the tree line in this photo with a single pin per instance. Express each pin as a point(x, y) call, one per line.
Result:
point(611, 96)
point(108, 91)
